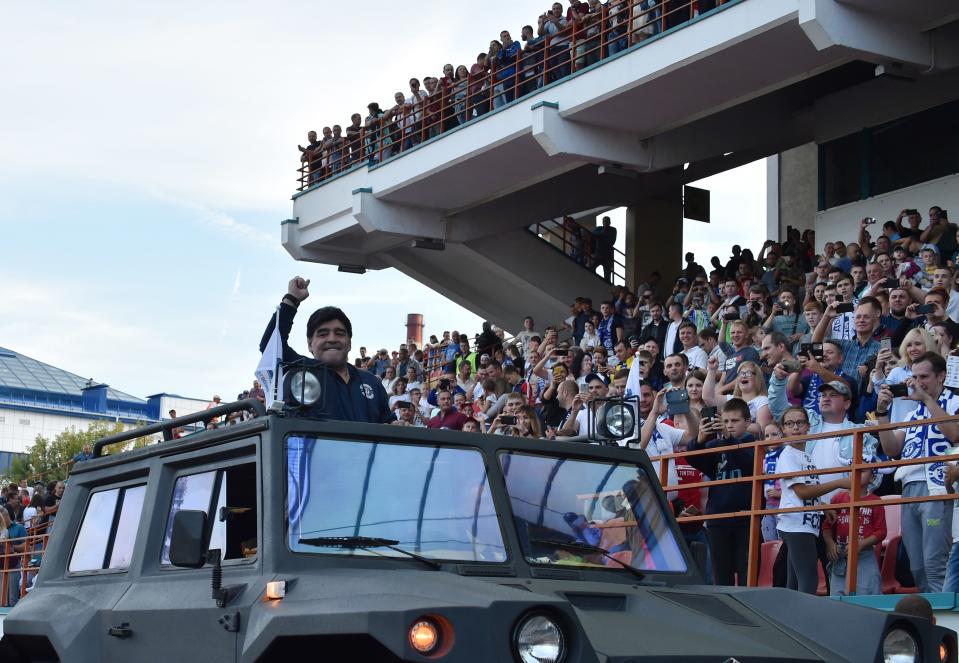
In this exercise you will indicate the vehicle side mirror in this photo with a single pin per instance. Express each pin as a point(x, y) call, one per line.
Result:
point(187, 544)
point(699, 549)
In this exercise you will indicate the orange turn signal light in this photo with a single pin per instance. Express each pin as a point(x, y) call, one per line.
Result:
point(943, 652)
point(276, 589)
point(425, 636)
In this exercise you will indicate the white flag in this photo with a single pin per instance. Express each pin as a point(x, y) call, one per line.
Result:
point(633, 380)
point(268, 371)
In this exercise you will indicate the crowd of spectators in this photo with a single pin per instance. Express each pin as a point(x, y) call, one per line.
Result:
point(563, 40)
point(784, 342)
point(25, 511)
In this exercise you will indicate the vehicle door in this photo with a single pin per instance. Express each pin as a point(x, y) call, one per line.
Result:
point(170, 611)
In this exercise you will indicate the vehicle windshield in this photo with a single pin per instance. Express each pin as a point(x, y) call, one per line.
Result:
point(600, 503)
point(435, 501)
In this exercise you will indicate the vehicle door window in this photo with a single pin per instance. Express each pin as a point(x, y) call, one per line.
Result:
point(228, 497)
point(108, 530)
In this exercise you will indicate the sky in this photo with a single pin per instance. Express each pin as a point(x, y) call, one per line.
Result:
point(148, 155)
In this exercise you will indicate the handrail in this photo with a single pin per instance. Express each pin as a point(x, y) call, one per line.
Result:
point(758, 478)
point(35, 543)
point(562, 234)
point(546, 59)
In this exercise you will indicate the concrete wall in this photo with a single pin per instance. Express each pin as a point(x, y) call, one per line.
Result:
point(843, 222)
point(798, 187)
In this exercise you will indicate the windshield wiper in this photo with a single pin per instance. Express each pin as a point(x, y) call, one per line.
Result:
point(575, 546)
point(366, 543)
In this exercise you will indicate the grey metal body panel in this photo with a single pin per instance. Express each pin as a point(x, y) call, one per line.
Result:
point(608, 614)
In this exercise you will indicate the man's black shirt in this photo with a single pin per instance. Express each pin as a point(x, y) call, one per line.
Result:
point(362, 399)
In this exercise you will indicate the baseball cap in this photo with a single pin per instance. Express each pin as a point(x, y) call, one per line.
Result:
point(838, 386)
point(484, 359)
point(595, 376)
point(930, 247)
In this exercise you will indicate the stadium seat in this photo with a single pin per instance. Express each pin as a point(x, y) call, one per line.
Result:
point(767, 560)
point(823, 588)
point(888, 570)
point(893, 519)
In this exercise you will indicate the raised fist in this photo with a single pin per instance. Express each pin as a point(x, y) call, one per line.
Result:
point(298, 288)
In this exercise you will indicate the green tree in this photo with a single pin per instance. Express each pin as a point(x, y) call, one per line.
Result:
point(47, 460)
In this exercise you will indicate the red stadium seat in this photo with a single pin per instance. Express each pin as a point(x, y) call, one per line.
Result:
point(767, 560)
point(893, 518)
point(888, 570)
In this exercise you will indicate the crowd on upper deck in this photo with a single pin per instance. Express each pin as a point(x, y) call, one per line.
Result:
point(563, 40)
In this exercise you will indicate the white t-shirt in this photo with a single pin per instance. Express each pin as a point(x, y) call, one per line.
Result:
point(825, 453)
point(671, 331)
point(697, 357)
point(666, 440)
point(29, 513)
point(755, 404)
point(796, 460)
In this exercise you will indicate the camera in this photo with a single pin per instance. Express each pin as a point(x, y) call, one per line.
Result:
point(791, 366)
point(755, 306)
point(898, 390)
point(814, 348)
point(443, 384)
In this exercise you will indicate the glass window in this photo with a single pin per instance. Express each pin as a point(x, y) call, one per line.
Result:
point(840, 171)
point(126, 533)
point(91, 547)
point(233, 521)
point(434, 501)
point(105, 535)
point(191, 492)
point(609, 505)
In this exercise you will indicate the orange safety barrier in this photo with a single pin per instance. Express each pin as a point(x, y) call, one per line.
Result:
point(22, 565)
point(459, 99)
point(756, 512)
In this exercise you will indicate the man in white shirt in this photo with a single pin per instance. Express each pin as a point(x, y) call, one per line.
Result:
point(658, 438)
point(709, 343)
point(672, 331)
point(583, 423)
point(926, 526)
point(694, 354)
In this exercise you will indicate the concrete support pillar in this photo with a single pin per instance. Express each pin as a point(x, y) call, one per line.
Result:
point(798, 183)
point(654, 239)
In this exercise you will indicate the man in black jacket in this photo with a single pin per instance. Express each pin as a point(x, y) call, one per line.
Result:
point(352, 395)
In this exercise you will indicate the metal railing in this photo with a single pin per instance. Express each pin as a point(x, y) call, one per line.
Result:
point(578, 243)
point(19, 568)
point(512, 75)
point(855, 470)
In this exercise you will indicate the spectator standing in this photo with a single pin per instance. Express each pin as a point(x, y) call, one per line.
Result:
point(862, 346)
point(926, 526)
point(688, 338)
point(604, 246)
point(447, 417)
point(871, 532)
point(728, 537)
point(554, 25)
point(16, 543)
point(610, 328)
point(800, 530)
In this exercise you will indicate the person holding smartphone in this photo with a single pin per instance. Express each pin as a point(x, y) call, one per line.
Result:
point(859, 349)
point(894, 373)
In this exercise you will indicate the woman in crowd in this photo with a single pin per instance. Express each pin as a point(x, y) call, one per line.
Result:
point(750, 386)
point(460, 93)
point(888, 371)
point(590, 338)
point(942, 338)
point(786, 317)
point(694, 387)
point(398, 392)
point(582, 366)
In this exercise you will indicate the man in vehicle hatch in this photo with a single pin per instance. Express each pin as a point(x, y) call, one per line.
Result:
point(353, 395)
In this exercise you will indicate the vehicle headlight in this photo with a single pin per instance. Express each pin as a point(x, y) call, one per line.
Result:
point(899, 646)
point(305, 387)
point(619, 420)
point(540, 640)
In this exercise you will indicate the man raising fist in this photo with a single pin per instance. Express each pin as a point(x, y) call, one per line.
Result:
point(351, 395)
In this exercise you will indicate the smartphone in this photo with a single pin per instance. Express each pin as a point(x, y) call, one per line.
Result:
point(925, 309)
point(899, 390)
point(561, 353)
point(557, 371)
point(890, 284)
point(870, 220)
point(708, 412)
point(731, 316)
point(404, 405)
point(677, 402)
point(507, 420)
point(845, 307)
point(885, 344)
point(791, 366)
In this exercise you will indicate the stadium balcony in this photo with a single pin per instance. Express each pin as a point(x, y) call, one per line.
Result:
point(742, 81)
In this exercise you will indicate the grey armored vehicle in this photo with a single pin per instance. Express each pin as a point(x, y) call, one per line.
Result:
point(286, 538)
